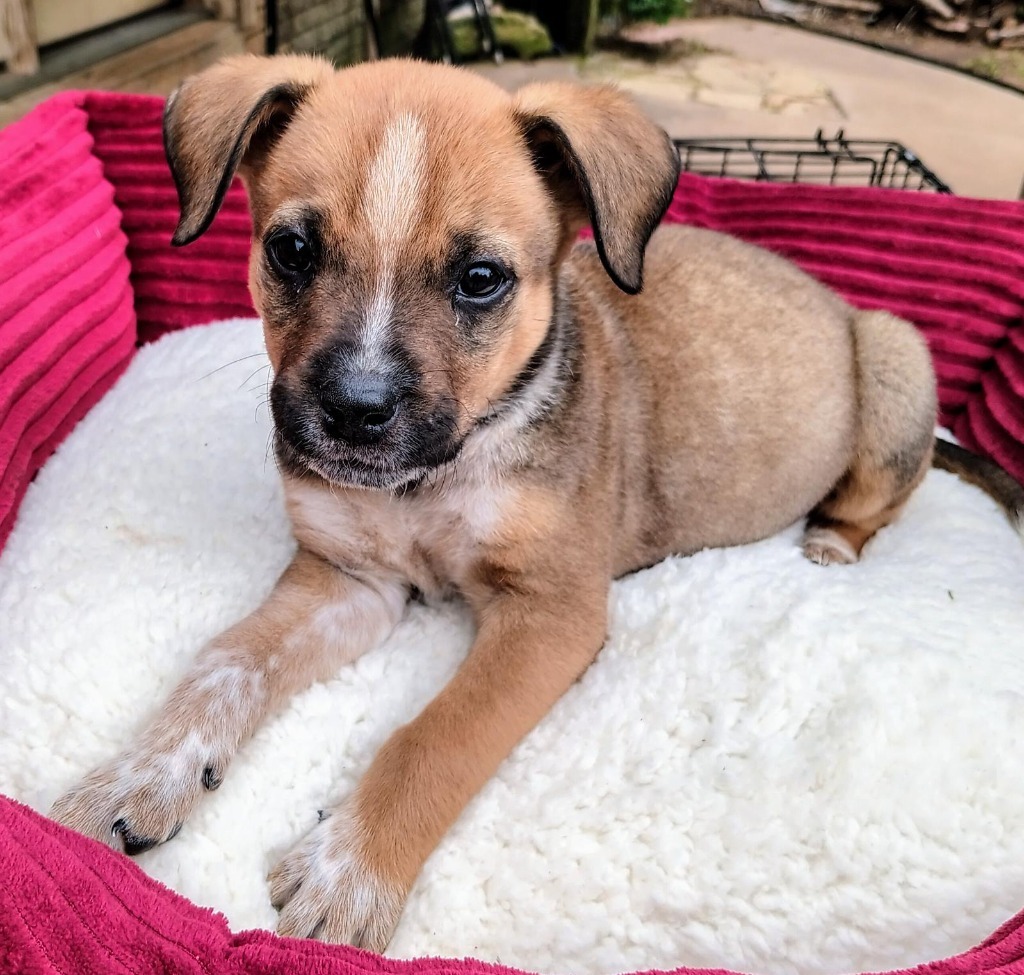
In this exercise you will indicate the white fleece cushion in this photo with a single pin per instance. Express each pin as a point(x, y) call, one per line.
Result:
point(772, 766)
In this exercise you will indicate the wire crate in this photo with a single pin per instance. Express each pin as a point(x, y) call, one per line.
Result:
point(837, 161)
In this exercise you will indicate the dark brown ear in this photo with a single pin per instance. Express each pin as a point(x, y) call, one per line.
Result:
point(217, 118)
point(606, 163)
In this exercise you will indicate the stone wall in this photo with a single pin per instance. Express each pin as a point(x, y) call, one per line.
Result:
point(337, 28)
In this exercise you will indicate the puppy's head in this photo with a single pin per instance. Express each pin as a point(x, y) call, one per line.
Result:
point(409, 223)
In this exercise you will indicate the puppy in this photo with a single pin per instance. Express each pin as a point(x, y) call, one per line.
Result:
point(469, 401)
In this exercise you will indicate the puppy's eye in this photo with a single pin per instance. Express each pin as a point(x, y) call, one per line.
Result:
point(290, 253)
point(481, 281)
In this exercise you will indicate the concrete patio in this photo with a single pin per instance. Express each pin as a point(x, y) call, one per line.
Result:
point(749, 78)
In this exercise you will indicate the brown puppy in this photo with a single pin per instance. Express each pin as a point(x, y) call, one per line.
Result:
point(467, 401)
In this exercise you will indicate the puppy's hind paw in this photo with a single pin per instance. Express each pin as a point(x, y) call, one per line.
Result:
point(827, 547)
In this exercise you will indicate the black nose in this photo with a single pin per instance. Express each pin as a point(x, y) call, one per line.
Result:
point(359, 407)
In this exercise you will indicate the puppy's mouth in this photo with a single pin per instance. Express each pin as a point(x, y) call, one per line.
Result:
point(411, 451)
point(337, 467)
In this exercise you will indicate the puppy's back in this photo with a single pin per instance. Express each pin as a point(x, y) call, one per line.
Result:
point(737, 380)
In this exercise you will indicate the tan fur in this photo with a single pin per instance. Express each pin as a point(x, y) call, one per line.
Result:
point(894, 437)
point(596, 432)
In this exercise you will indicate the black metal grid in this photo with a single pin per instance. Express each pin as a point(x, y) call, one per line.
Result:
point(837, 161)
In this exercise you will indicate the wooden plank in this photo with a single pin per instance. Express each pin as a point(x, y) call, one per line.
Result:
point(57, 20)
point(77, 55)
point(154, 68)
point(252, 15)
point(17, 36)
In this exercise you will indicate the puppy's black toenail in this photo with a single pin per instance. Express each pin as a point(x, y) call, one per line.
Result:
point(133, 845)
point(211, 778)
point(321, 815)
point(174, 832)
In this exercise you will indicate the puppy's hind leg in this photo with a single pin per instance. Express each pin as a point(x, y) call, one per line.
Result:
point(895, 436)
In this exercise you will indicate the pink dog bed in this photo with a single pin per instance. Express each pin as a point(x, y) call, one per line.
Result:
point(87, 207)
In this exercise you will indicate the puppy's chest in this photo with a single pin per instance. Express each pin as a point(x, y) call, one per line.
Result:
point(431, 539)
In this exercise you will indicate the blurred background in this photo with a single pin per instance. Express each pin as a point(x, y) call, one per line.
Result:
point(924, 93)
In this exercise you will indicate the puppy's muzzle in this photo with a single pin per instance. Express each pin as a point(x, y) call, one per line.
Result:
point(360, 407)
point(367, 424)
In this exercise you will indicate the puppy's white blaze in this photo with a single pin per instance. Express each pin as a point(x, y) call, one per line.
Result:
point(375, 330)
point(394, 183)
point(390, 205)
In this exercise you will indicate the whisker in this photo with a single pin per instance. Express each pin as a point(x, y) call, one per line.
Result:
point(253, 373)
point(232, 363)
point(270, 451)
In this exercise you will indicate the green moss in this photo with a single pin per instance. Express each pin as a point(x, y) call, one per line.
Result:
point(1002, 65)
point(985, 65)
point(519, 33)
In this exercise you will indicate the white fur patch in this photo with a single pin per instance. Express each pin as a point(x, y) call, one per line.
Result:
point(235, 689)
point(354, 624)
point(493, 447)
point(336, 891)
point(377, 320)
point(771, 766)
point(390, 205)
point(392, 194)
point(167, 770)
point(480, 507)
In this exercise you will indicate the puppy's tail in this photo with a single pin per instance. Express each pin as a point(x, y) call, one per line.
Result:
point(987, 475)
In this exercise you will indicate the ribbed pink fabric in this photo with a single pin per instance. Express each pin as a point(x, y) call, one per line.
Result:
point(70, 905)
point(174, 287)
point(67, 326)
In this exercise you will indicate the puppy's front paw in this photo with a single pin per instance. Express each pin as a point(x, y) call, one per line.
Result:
point(139, 800)
point(325, 888)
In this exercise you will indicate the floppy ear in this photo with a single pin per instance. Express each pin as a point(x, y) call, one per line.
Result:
point(218, 119)
point(606, 163)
